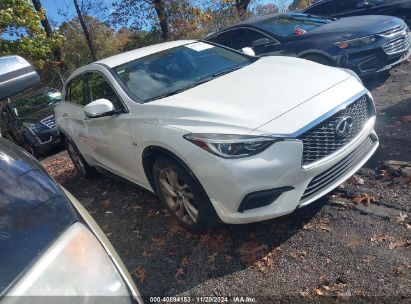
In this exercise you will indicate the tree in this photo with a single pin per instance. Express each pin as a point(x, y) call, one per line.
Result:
point(85, 30)
point(22, 33)
point(106, 41)
point(242, 8)
point(47, 27)
point(139, 14)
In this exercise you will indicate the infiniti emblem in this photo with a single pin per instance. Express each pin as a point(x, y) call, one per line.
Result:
point(344, 126)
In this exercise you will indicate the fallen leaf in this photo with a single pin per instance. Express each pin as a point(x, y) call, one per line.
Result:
point(304, 293)
point(401, 217)
point(141, 274)
point(379, 239)
point(159, 241)
point(148, 254)
point(211, 258)
point(308, 226)
point(408, 226)
point(299, 254)
point(179, 272)
point(251, 252)
point(364, 199)
point(319, 291)
point(184, 261)
point(106, 203)
point(398, 244)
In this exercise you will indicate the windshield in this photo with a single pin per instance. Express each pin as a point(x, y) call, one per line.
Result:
point(28, 105)
point(177, 69)
point(288, 26)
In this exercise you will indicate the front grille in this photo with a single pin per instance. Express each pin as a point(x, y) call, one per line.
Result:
point(322, 140)
point(49, 122)
point(398, 45)
point(331, 175)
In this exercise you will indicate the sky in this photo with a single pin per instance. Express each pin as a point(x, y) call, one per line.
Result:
point(54, 6)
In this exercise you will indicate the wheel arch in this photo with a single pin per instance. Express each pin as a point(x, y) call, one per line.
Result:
point(314, 52)
point(152, 153)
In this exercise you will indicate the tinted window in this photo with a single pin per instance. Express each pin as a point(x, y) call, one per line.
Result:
point(223, 39)
point(346, 5)
point(242, 38)
point(177, 69)
point(324, 8)
point(99, 88)
point(284, 26)
point(77, 90)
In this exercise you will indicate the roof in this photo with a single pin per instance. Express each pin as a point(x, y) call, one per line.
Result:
point(122, 58)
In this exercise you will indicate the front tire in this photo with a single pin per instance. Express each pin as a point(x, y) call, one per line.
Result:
point(183, 195)
point(79, 162)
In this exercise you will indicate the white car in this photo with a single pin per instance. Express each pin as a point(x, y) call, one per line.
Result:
point(218, 134)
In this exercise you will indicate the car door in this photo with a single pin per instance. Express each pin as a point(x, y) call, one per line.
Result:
point(109, 136)
point(352, 7)
point(247, 37)
point(71, 114)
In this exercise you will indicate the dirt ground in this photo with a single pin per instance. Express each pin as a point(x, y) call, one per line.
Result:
point(353, 245)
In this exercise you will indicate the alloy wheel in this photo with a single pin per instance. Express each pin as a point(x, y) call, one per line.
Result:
point(178, 196)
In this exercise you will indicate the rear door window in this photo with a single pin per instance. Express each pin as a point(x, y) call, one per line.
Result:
point(346, 5)
point(241, 38)
point(223, 39)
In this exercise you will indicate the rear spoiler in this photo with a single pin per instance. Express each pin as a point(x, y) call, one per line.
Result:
point(16, 74)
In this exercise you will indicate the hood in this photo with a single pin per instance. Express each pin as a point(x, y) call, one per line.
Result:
point(37, 115)
point(30, 218)
point(247, 98)
point(357, 26)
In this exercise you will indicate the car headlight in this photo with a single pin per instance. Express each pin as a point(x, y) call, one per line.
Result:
point(356, 43)
point(75, 265)
point(230, 145)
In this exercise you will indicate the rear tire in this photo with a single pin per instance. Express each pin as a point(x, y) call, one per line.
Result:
point(319, 59)
point(183, 195)
point(79, 162)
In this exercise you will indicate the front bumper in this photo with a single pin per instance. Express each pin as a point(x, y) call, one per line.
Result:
point(44, 141)
point(277, 167)
point(373, 59)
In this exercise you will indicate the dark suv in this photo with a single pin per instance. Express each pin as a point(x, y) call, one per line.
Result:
point(29, 121)
point(344, 8)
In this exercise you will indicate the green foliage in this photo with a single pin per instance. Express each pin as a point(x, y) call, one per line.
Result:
point(105, 39)
point(20, 24)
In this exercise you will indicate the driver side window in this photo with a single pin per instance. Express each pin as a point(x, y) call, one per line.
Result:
point(99, 88)
point(241, 38)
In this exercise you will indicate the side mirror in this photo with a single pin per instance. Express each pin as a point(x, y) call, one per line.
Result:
point(364, 4)
point(248, 51)
point(99, 108)
point(16, 75)
point(260, 42)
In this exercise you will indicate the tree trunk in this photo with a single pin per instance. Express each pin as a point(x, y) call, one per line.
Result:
point(46, 25)
point(242, 7)
point(162, 17)
point(85, 30)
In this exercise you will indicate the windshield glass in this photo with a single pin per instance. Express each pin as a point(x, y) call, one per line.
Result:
point(28, 105)
point(287, 26)
point(177, 69)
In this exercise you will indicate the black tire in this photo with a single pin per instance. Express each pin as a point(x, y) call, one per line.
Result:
point(319, 59)
point(206, 216)
point(78, 160)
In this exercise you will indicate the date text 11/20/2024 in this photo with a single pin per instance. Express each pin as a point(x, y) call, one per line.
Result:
point(236, 299)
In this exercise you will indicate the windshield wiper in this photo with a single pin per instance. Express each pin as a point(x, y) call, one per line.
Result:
point(221, 73)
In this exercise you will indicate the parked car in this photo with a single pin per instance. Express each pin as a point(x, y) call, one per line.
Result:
point(50, 245)
point(367, 45)
point(216, 133)
point(32, 117)
point(344, 8)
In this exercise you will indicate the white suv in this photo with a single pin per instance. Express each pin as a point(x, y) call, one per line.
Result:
point(216, 133)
